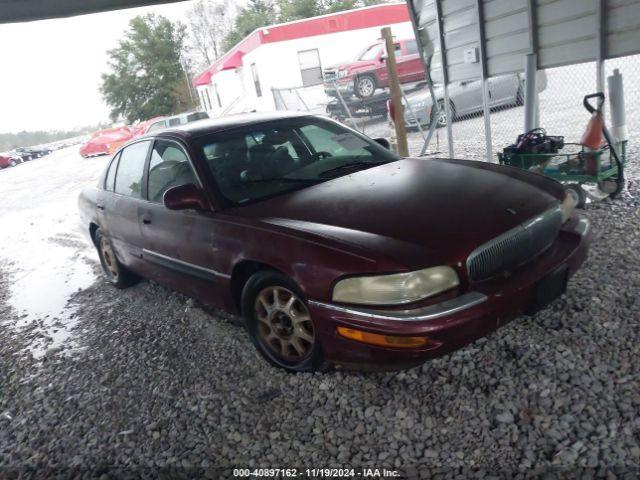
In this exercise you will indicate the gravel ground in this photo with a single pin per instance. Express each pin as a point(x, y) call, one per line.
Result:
point(149, 382)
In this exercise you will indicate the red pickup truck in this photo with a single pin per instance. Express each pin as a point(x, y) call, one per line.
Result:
point(368, 71)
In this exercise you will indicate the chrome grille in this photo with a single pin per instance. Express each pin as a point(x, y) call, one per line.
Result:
point(515, 247)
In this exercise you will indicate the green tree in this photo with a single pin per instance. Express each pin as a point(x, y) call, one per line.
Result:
point(260, 13)
point(298, 9)
point(146, 74)
point(257, 13)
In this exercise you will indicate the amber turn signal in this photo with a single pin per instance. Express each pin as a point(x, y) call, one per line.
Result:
point(382, 340)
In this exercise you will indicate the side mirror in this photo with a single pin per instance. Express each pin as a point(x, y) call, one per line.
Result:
point(383, 142)
point(184, 197)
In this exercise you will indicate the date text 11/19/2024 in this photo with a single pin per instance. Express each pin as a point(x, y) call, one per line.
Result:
point(315, 472)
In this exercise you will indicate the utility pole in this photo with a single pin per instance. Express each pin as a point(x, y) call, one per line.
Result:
point(396, 94)
point(184, 65)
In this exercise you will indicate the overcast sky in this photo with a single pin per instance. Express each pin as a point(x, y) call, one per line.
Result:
point(50, 69)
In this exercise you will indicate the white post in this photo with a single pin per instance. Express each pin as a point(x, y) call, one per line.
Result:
point(531, 93)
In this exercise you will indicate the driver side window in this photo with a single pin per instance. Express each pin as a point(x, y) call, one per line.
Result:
point(169, 167)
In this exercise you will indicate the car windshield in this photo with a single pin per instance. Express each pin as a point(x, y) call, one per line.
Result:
point(371, 53)
point(264, 160)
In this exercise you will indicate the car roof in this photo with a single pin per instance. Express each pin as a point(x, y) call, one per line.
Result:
point(214, 125)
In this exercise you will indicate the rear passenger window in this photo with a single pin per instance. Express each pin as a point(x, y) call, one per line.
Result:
point(131, 168)
point(111, 174)
point(169, 167)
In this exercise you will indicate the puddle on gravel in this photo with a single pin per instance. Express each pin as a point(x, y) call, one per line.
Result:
point(48, 265)
point(41, 295)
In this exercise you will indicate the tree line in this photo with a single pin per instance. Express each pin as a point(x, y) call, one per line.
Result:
point(151, 67)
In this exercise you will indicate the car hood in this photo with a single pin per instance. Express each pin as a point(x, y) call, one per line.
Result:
point(413, 211)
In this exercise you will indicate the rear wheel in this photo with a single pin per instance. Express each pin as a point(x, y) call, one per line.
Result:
point(12, 163)
point(115, 272)
point(279, 323)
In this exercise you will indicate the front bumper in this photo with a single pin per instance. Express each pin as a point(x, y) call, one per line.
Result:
point(450, 324)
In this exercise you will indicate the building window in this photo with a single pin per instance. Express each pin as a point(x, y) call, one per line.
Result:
point(310, 67)
point(215, 90)
point(256, 80)
point(208, 99)
point(202, 101)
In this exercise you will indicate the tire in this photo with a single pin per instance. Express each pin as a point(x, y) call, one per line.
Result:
point(613, 185)
point(365, 86)
point(117, 274)
point(12, 163)
point(519, 97)
point(442, 118)
point(578, 194)
point(282, 331)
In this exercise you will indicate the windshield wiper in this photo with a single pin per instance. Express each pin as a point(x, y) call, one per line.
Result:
point(352, 165)
point(285, 180)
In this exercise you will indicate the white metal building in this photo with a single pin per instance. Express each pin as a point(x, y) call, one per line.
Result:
point(292, 55)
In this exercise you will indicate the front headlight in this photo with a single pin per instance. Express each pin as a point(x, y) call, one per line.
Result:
point(567, 207)
point(342, 73)
point(395, 289)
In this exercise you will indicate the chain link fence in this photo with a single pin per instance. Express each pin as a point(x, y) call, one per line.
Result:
point(560, 93)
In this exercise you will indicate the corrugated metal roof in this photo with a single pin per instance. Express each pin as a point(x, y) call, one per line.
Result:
point(28, 10)
point(566, 32)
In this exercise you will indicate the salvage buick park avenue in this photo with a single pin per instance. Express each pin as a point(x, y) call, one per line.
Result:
point(334, 250)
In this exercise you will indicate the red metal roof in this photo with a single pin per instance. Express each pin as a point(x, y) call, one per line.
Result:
point(376, 15)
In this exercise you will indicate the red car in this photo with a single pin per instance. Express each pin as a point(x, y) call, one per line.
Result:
point(333, 249)
point(7, 161)
point(368, 71)
point(152, 124)
point(104, 142)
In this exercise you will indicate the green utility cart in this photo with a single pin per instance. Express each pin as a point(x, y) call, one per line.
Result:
point(573, 164)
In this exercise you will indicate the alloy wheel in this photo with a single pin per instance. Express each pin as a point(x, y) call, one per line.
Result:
point(442, 117)
point(109, 259)
point(366, 87)
point(284, 323)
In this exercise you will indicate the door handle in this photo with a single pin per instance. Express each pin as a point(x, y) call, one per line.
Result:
point(100, 206)
point(146, 219)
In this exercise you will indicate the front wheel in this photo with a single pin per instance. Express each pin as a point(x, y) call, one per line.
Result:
point(365, 86)
point(117, 274)
point(279, 323)
point(577, 194)
point(440, 116)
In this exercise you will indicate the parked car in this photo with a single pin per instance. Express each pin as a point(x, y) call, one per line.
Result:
point(40, 151)
point(465, 98)
point(175, 120)
point(334, 249)
point(102, 142)
point(368, 72)
point(8, 160)
point(142, 128)
point(160, 123)
point(22, 154)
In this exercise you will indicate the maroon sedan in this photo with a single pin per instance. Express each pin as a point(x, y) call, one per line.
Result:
point(333, 249)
